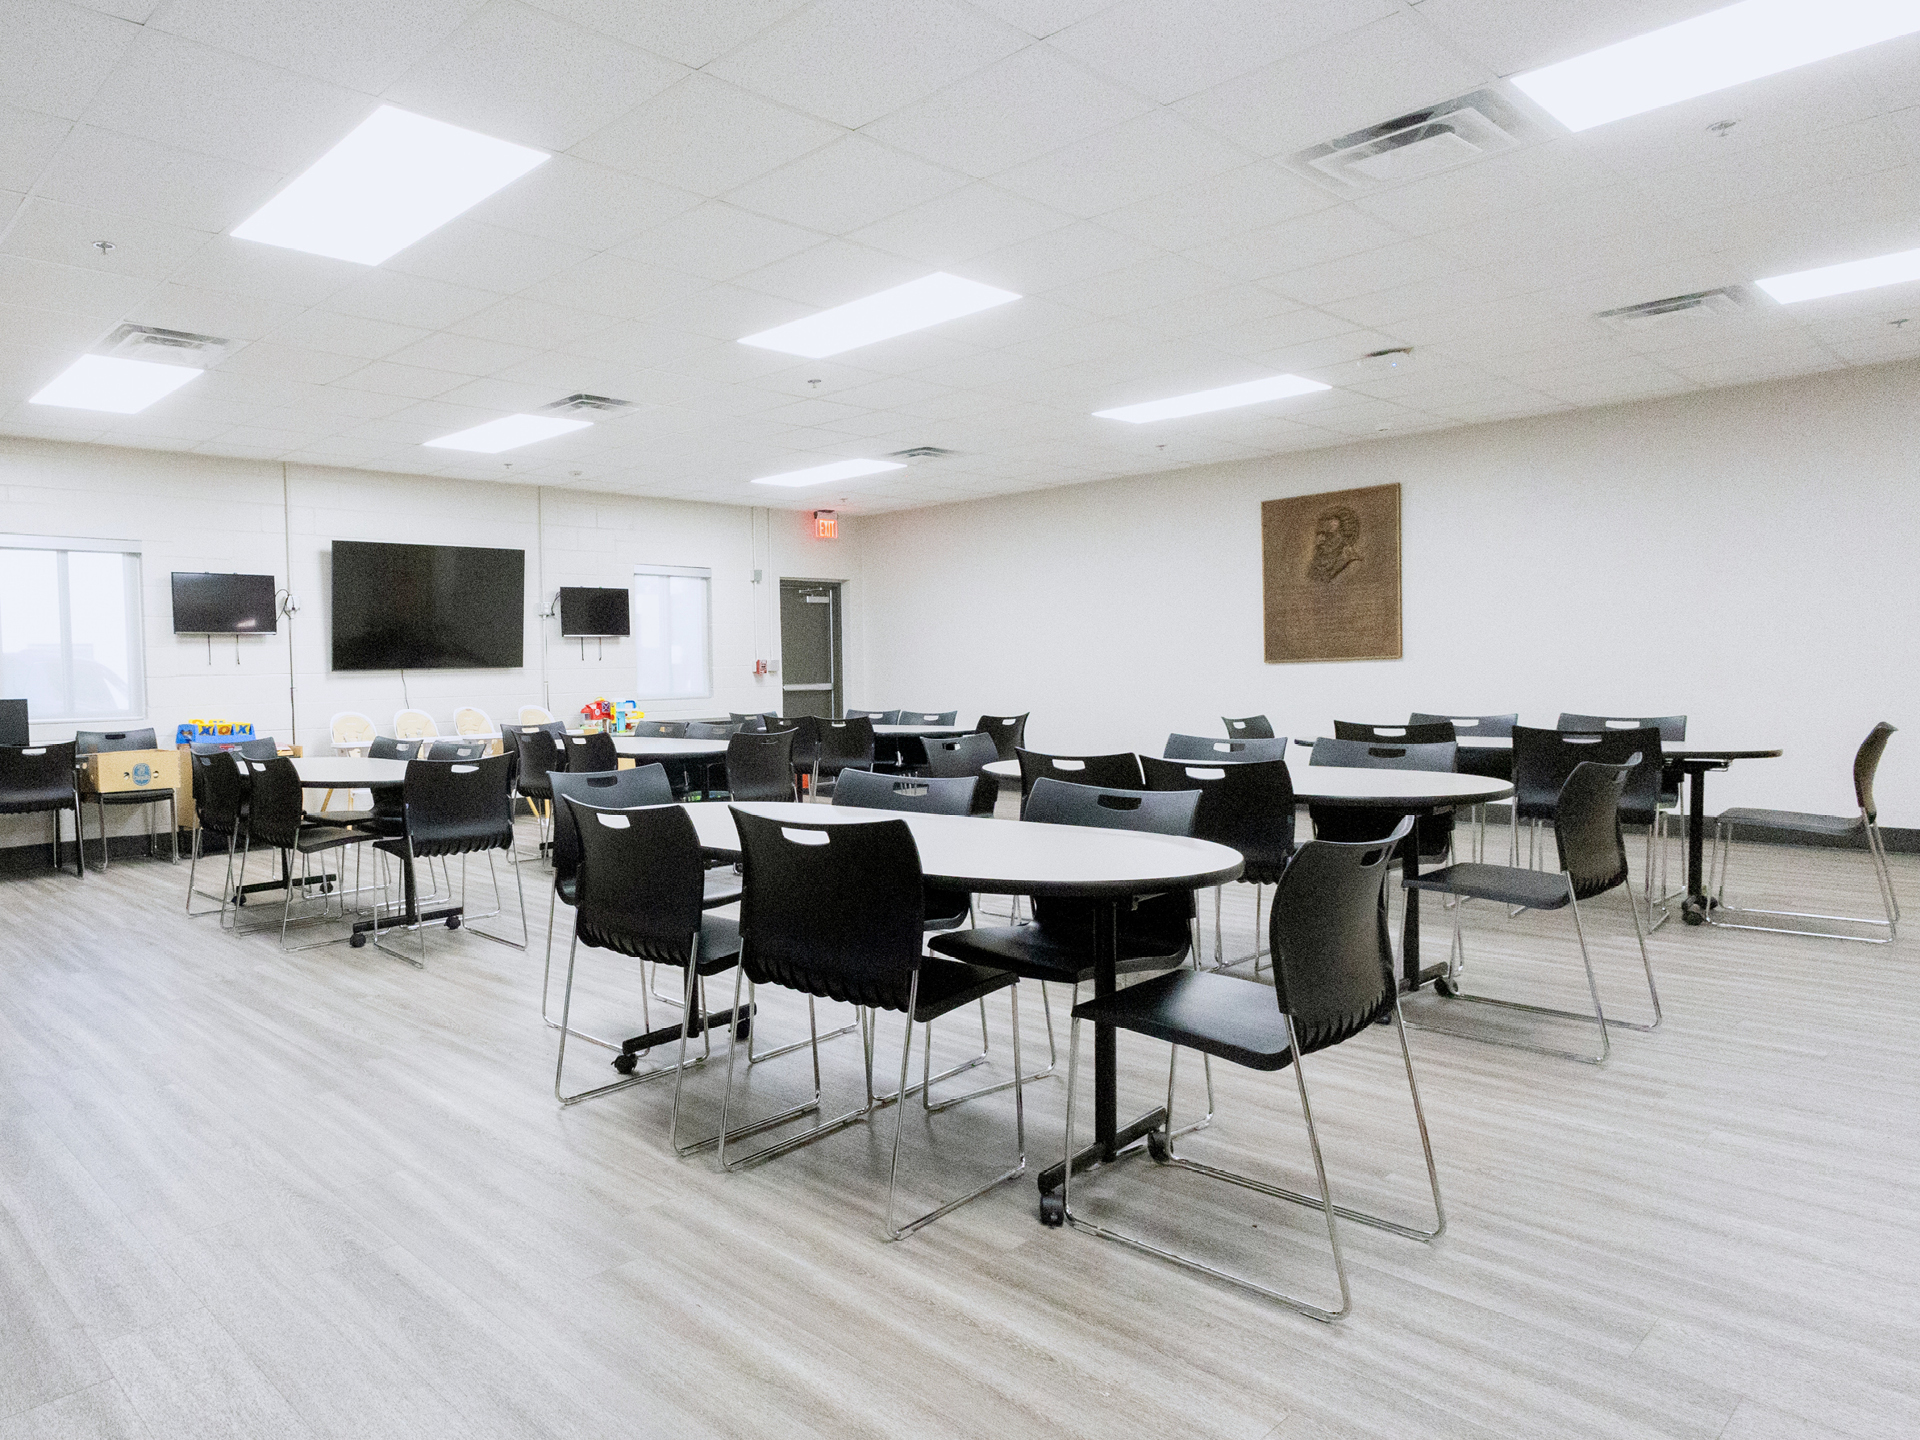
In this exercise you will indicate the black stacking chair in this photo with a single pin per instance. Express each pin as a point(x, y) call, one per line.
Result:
point(962, 757)
point(592, 754)
point(383, 747)
point(452, 749)
point(1205, 747)
point(836, 911)
point(759, 720)
point(541, 753)
point(945, 909)
point(660, 729)
point(913, 748)
point(463, 808)
point(1107, 772)
point(1634, 808)
point(1593, 860)
point(638, 894)
point(39, 779)
point(1333, 979)
point(806, 745)
point(102, 742)
point(261, 747)
point(1493, 762)
point(1434, 732)
point(878, 717)
point(1248, 807)
point(1009, 733)
point(388, 818)
point(843, 745)
point(219, 808)
point(1354, 823)
point(1820, 828)
point(277, 820)
point(888, 750)
point(1543, 760)
point(1248, 727)
point(760, 766)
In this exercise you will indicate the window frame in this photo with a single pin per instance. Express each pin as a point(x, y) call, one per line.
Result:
point(687, 572)
point(136, 617)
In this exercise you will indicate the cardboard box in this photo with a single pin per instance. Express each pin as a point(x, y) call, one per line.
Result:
point(116, 771)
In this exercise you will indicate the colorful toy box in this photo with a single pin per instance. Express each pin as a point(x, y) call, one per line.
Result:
point(200, 732)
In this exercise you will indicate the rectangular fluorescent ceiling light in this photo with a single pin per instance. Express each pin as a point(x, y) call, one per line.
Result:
point(119, 387)
point(913, 306)
point(1227, 397)
point(1845, 278)
point(1708, 53)
point(839, 470)
point(397, 177)
point(509, 432)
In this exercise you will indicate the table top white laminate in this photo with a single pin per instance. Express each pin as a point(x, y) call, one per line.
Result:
point(348, 772)
point(666, 747)
point(1010, 857)
point(1383, 789)
point(928, 730)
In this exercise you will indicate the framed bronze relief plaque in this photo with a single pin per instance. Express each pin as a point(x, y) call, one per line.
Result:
point(1332, 575)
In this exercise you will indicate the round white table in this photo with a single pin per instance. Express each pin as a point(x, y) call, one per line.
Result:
point(348, 772)
point(646, 748)
point(1015, 857)
point(923, 731)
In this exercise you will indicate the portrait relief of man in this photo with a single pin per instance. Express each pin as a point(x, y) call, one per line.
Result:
point(1336, 545)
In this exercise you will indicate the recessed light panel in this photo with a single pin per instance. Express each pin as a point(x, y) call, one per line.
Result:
point(839, 470)
point(929, 300)
point(1708, 53)
point(509, 432)
point(397, 177)
point(119, 387)
point(1845, 278)
point(1227, 397)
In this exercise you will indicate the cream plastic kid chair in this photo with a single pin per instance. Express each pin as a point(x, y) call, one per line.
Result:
point(414, 725)
point(350, 733)
point(470, 720)
point(535, 715)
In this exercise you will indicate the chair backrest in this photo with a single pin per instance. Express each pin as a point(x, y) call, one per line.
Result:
point(541, 752)
point(1113, 772)
point(1483, 726)
point(846, 742)
point(607, 790)
point(1248, 727)
point(99, 742)
point(1205, 747)
point(1159, 812)
point(921, 794)
point(219, 794)
point(1434, 732)
point(1365, 755)
point(1332, 955)
point(660, 729)
point(758, 720)
point(708, 730)
point(452, 749)
point(350, 732)
point(964, 757)
point(926, 717)
point(261, 747)
point(471, 720)
point(1671, 727)
point(1586, 827)
point(760, 765)
point(832, 910)
point(385, 747)
point(1009, 733)
point(411, 724)
point(275, 801)
point(878, 717)
point(1544, 759)
point(535, 715)
point(459, 807)
point(36, 767)
point(1866, 761)
point(641, 878)
point(592, 752)
point(1249, 807)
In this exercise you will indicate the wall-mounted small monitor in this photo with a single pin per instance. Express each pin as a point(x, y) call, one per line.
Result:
point(206, 604)
point(589, 611)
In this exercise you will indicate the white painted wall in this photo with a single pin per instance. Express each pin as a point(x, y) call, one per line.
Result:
point(1746, 556)
point(193, 512)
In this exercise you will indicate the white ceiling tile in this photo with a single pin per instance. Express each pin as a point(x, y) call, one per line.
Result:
point(617, 287)
point(832, 273)
point(126, 176)
point(350, 335)
point(1450, 291)
point(1207, 312)
point(1056, 258)
point(265, 272)
point(363, 44)
point(1124, 165)
point(96, 294)
point(1499, 184)
point(691, 34)
point(845, 185)
point(705, 136)
point(1364, 274)
point(409, 300)
point(138, 11)
point(1171, 51)
point(1147, 283)
point(1030, 103)
point(383, 377)
point(852, 61)
point(33, 334)
point(1323, 235)
point(288, 362)
point(1248, 198)
point(1370, 75)
point(56, 56)
point(952, 228)
point(524, 75)
point(486, 257)
point(518, 320)
point(1041, 18)
point(503, 397)
point(462, 354)
point(28, 141)
point(570, 200)
point(718, 241)
point(65, 235)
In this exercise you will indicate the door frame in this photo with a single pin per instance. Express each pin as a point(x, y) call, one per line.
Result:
point(836, 625)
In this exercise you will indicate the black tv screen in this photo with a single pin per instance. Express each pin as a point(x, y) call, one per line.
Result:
point(205, 604)
point(587, 610)
point(427, 607)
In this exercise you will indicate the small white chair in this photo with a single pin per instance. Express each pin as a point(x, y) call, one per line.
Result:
point(535, 715)
point(350, 733)
point(470, 720)
point(414, 725)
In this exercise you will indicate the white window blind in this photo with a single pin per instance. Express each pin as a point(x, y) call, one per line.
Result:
point(671, 632)
point(70, 629)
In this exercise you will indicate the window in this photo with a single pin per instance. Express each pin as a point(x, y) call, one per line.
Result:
point(70, 628)
point(670, 632)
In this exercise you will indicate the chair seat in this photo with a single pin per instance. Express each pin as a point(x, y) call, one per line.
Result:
point(312, 839)
point(947, 909)
point(1029, 952)
point(1233, 1017)
point(946, 985)
point(723, 888)
point(1263, 867)
point(132, 797)
point(1508, 884)
point(338, 817)
point(719, 944)
point(26, 802)
point(1795, 820)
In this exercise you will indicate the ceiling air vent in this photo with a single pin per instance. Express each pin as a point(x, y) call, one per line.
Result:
point(921, 452)
point(178, 347)
point(575, 403)
point(1412, 146)
point(1675, 309)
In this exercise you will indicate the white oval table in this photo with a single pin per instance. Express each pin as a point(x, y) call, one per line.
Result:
point(922, 731)
point(647, 748)
point(1015, 857)
point(348, 772)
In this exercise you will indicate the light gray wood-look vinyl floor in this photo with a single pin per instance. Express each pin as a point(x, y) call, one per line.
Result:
point(248, 1193)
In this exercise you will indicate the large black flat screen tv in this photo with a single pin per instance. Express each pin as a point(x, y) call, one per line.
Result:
point(205, 604)
point(427, 607)
point(589, 610)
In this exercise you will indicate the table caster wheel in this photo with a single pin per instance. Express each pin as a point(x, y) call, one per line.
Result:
point(1693, 913)
point(625, 1064)
point(1053, 1211)
point(742, 1030)
point(453, 922)
point(358, 942)
point(1159, 1148)
point(1443, 986)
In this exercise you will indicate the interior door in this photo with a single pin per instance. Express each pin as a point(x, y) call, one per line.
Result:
point(810, 648)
